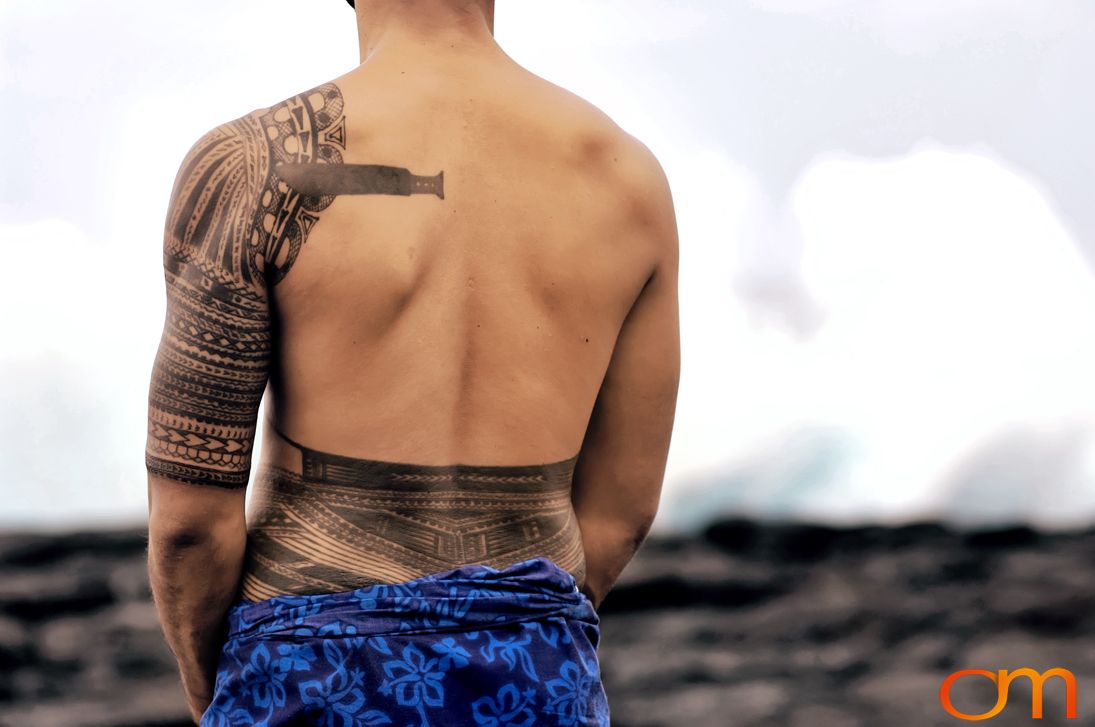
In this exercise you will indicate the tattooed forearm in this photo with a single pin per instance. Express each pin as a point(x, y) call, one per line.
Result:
point(341, 523)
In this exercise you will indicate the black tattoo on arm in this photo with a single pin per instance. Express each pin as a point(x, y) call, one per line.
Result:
point(234, 229)
point(212, 364)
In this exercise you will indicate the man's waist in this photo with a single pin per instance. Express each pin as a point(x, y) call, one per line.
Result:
point(467, 597)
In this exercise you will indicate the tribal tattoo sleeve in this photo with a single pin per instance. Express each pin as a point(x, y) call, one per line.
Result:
point(245, 199)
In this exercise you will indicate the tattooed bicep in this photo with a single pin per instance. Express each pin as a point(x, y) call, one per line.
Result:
point(233, 230)
point(245, 200)
point(212, 364)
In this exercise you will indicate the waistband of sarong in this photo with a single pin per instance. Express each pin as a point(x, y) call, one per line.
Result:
point(464, 598)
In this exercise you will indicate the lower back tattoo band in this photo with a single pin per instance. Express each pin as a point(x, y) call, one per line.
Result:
point(343, 522)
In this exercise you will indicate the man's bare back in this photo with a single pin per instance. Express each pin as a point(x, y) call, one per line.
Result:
point(456, 286)
point(451, 264)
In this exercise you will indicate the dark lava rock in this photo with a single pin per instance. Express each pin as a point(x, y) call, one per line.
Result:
point(918, 534)
point(676, 592)
point(1058, 617)
point(999, 538)
point(805, 542)
point(79, 596)
point(734, 535)
point(15, 646)
point(37, 550)
point(748, 624)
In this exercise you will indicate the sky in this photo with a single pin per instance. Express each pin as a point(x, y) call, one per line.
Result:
point(887, 240)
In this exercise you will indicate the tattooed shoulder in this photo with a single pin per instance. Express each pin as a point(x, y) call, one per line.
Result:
point(233, 229)
point(309, 128)
point(230, 207)
point(245, 200)
point(297, 151)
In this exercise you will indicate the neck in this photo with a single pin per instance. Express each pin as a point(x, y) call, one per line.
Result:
point(425, 28)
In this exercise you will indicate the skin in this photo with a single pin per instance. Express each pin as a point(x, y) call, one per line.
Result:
point(456, 286)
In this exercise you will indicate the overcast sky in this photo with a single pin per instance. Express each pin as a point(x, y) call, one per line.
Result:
point(887, 236)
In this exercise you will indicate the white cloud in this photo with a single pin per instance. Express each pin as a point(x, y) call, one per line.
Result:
point(955, 305)
point(73, 297)
point(82, 324)
point(960, 277)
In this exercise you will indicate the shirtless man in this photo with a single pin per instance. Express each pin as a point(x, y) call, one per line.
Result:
point(459, 282)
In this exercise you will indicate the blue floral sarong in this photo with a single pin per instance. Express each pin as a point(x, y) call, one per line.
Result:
point(469, 646)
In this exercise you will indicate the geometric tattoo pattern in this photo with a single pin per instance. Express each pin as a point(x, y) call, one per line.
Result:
point(306, 129)
point(213, 361)
point(234, 229)
point(342, 523)
point(244, 203)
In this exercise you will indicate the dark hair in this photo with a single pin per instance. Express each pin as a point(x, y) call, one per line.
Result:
point(352, 4)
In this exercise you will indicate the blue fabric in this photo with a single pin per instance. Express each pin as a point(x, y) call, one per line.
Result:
point(468, 646)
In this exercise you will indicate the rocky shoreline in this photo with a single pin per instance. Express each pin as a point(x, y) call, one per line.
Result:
point(745, 624)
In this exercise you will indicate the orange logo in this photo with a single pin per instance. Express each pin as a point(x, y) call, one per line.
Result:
point(1003, 679)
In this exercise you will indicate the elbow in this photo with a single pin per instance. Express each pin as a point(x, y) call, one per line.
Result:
point(642, 529)
point(184, 517)
point(638, 530)
point(178, 539)
point(179, 533)
point(627, 530)
point(193, 548)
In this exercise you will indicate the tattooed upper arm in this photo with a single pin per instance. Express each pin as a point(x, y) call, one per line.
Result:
point(245, 199)
point(212, 364)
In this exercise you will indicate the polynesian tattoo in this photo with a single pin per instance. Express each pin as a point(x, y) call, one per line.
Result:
point(234, 228)
point(342, 523)
point(247, 197)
